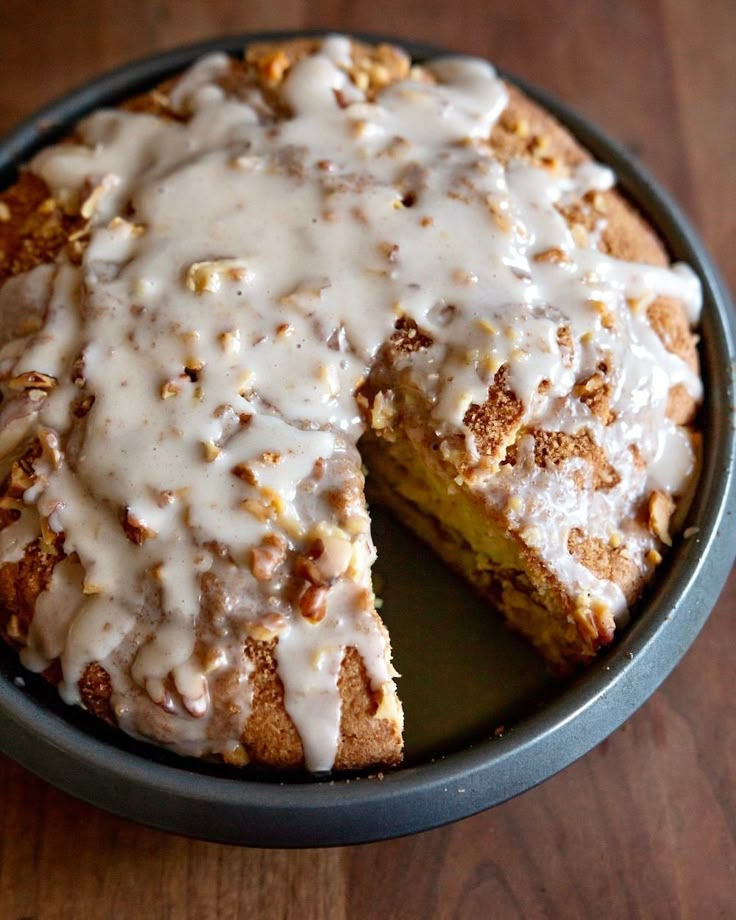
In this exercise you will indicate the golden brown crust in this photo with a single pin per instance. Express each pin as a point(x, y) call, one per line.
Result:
point(20, 584)
point(606, 561)
point(553, 448)
point(37, 228)
point(95, 688)
point(495, 423)
point(526, 131)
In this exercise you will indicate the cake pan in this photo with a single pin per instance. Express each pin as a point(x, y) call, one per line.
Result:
point(485, 720)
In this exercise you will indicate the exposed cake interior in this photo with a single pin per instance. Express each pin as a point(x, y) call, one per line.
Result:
point(213, 293)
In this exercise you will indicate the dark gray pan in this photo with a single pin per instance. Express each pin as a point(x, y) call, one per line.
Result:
point(465, 676)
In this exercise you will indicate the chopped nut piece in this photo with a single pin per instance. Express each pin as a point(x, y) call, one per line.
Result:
point(265, 509)
point(390, 250)
point(601, 308)
point(461, 276)
point(313, 603)
point(661, 507)
point(22, 477)
point(77, 372)
point(117, 223)
point(47, 206)
point(640, 304)
point(32, 380)
point(267, 628)
point(230, 341)
point(50, 448)
point(520, 127)
point(236, 756)
point(499, 212)
point(383, 411)
point(92, 201)
point(554, 255)
point(14, 630)
point(135, 530)
point(306, 567)
point(538, 144)
point(304, 293)
point(274, 66)
point(48, 534)
point(5, 214)
point(207, 277)
point(266, 558)
point(214, 659)
point(167, 497)
point(598, 202)
point(210, 451)
point(170, 388)
point(245, 472)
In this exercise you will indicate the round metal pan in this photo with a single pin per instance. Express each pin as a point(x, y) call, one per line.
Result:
point(485, 720)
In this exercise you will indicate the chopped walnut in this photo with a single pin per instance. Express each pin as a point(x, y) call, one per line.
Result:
point(170, 388)
point(499, 212)
point(383, 411)
point(390, 251)
point(14, 630)
point(305, 565)
point(267, 628)
point(50, 448)
point(236, 756)
point(48, 535)
point(210, 451)
point(77, 372)
point(266, 558)
point(92, 201)
point(266, 508)
point(313, 603)
point(207, 277)
point(554, 255)
point(304, 293)
point(274, 66)
point(230, 341)
point(32, 380)
point(22, 477)
point(661, 506)
point(245, 472)
point(135, 530)
point(81, 407)
point(595, 392)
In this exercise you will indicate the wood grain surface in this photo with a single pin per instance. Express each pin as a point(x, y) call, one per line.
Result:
point(645, 825)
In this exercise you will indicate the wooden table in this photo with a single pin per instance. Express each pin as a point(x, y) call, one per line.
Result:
point(645, 825)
